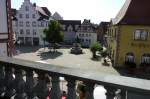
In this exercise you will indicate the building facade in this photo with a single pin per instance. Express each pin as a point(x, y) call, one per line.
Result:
point(29, 22)
point(101, 31)
point(87, 33)
point(70, 28)
point(6, 43)
point(128, 35)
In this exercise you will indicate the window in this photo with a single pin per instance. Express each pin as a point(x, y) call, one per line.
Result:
point(21, 24)
point(34, 24)
point(16, 23)
point(33, 15)
point(20, 16)
point(89, 40)
point(47, 23)
point(27, 8)
point(27, 23)
point(34, 32)
point(82, 35)
point(145, 59)
point(115, 34)
point(86, 35)
point(79, 35)
point(140, 34)
point(27, 16)
point(76, 27)
point(64, 27)
point(70, 29)
point(89, 34)
point(82, 40)
point(21, 31)
point(27, 31)
point(42, 24)
point(129, 57)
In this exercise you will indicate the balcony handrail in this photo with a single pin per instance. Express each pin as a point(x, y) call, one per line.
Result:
point(126, 83)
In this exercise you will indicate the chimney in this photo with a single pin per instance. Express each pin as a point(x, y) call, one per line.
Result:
point(34, 4)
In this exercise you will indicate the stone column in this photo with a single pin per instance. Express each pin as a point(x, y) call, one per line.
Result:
point(2, 78)
point(41, 89)
point(55, 91)
point(9, 81)
point(123, 94)
point(29, 83)
point(71, 88)
point(89, 90)
point(20, 84)
point(110, 94)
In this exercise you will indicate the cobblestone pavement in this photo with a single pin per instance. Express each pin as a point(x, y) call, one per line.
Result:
point(63, 58)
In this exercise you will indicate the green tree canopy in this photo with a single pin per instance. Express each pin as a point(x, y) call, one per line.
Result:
point(95, 47)
point(53, 34)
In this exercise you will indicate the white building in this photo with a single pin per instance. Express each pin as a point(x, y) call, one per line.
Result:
point(70, 28)
point(87, 34)
point(29, 22)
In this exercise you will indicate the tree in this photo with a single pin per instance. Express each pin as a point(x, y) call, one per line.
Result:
point(53, 34)
point(95, 47)
point(77, 40)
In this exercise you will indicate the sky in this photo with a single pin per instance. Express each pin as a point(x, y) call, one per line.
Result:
point(95, 10)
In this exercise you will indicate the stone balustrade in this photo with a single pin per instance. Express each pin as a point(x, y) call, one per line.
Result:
point(24, 79)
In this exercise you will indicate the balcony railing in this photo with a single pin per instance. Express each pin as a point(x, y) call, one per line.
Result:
point(17, 79)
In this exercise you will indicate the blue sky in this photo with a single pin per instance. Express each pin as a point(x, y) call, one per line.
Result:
point(96, 10)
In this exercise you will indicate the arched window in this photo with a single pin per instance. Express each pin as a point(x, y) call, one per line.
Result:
point(129, 57)
point(145, 59)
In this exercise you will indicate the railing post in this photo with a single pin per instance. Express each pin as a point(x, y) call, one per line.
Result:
point(41, 89)
point(55, 91)
point(89, 90)
point(29, 83)
point(9, 81)
point(71, 88)
point(20, 84)
point(123, 94)
point(110, 94)
point(2, 78)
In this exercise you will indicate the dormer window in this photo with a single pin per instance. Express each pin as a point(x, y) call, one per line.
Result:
point(140, 34)
point(64, 27)
point(70, 29)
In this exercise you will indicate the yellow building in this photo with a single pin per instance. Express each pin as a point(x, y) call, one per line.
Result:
point(129, 35)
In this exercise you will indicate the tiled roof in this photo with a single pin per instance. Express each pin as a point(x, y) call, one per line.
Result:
point(134, 12)
point(46, 11)
point(67, 23)
point(57, 16)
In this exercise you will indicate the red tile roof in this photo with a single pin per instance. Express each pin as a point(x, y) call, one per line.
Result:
point(134, 12)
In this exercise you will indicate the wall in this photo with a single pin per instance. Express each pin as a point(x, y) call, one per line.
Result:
point(126, 41)
point(3, 29)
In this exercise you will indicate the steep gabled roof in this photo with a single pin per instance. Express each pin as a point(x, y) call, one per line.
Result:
point(134, 12)
point(46, 11)
point(57, 16)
